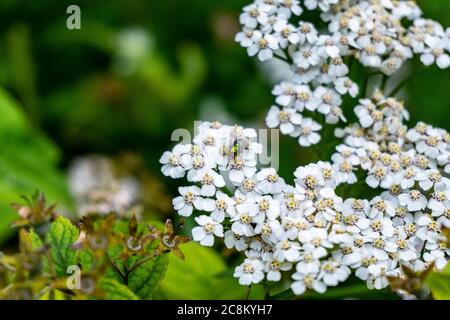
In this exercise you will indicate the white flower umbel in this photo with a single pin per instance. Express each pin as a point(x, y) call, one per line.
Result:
point(308, 230)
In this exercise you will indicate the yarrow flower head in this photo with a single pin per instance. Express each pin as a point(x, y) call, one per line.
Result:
point(373, 32)
point(308, 230)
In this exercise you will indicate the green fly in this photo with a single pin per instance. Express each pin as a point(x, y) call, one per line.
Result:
point(235, 149)
point(234, 152)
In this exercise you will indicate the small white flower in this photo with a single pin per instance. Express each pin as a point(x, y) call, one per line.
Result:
point(188, 200)
point(254, 14)
point(286, 7)
point(331, 273)
point(378, 275)
point(315, 240)
point(432, 177)
point(327, 47)
point(310, 260)
point(391, 65)
point(335, 115)
point(233, 240)
point(241, 169)
point(287, 119)
point(306, 57)
point(249, 272)
point(337, 67)
point(370, 57)
point(344, 171)
point(172, 161)
point(413, 200)
point(263, 45)
point(245, 37)
point(269, 206)
point(308, 135)
point(328, 98)
point(368, 114)
point(428, 228)
point(305, 99)
point(307, 33)
point(435, 53)
point(247, 213)
point(437, 256)
point(406, 250)
point(287, 251)
point(224, 206)
point(349, 254)
point(273, 268)
point(286, 33)
point(439, 202)
point(380, 208)
point(344, 85)
point(206, 231)
point(309, 177)
point(269, 181)
point(304, 282)
point(379, 227)
point(210, 180)
point(376, 176)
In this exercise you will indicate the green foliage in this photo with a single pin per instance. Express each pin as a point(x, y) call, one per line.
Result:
point(116, 291)
point(86, 259)
point(439, 283)
point(144, 279)
point(61, 238)
point(203, 274)
point(85, 104)
point(27, 160)
point(34, 240)
point(100, 257)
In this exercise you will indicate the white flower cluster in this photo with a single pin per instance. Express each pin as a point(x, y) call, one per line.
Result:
point(370, 31)
point(307, 227)
point(306, 230)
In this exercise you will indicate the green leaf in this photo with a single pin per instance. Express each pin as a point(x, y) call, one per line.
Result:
point(35, 241)
point(203, 274)
point(145, 279)
point(446, 269)
point(28, 161)
point(116, 291)
point(439, 283)
point(86, 259)
point(61, 237)
point(54, 294)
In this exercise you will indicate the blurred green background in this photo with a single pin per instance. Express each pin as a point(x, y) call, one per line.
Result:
point(136, 71)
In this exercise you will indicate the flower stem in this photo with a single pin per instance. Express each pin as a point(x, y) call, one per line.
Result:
point(249, 290)
point(402, 83)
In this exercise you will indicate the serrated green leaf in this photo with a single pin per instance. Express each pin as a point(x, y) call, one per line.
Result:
point(116, 291)
point(114, 252)
point(145, 279)
point(61, 237)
